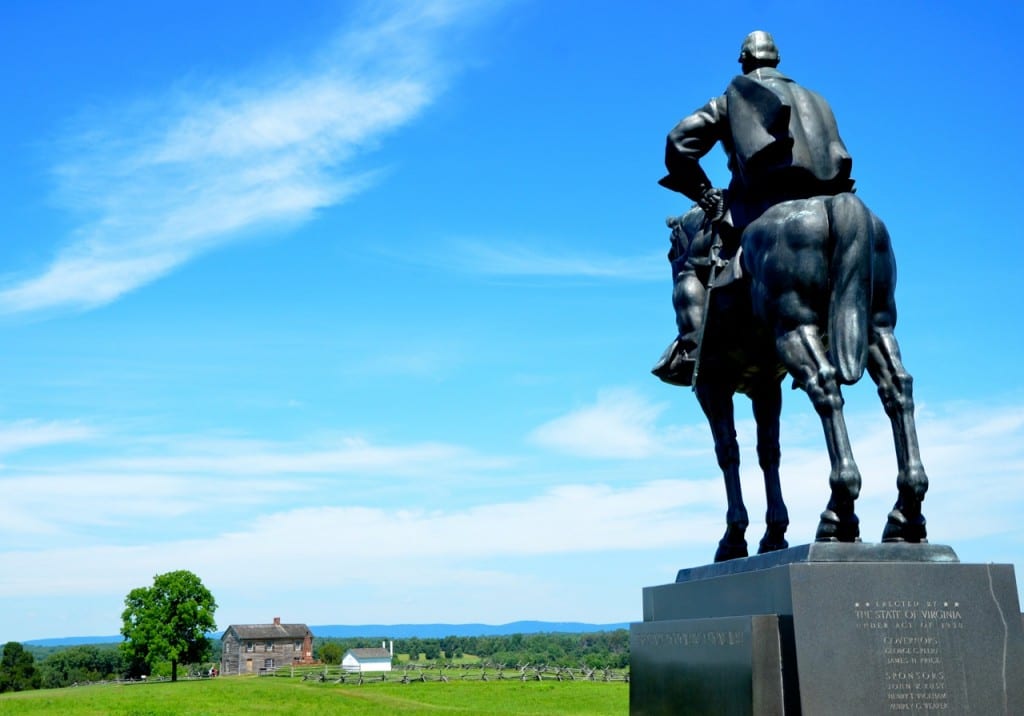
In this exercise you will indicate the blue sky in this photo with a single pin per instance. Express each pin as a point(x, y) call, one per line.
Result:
point(349, 308)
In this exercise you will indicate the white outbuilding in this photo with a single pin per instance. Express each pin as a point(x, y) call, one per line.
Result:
point(374, 659)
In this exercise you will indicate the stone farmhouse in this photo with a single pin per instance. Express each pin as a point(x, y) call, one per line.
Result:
point(252, 648)
point(364, 660)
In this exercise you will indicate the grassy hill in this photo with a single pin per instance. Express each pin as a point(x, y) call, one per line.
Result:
point(248, 695)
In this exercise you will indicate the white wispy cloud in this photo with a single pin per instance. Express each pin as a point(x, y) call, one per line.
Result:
point(433, 546)
point(351, 455)
point(25, 434)
point(77, 504)
point(620, 424)
point(523, 259)
point(487, 545)
point(971, 453)
point(166, 478)
point(575, 518)
point(178, 174)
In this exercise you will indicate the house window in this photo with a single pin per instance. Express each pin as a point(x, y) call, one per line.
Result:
point(270, 646)
point(268, 663)
point(298, 646)
point(249, 646)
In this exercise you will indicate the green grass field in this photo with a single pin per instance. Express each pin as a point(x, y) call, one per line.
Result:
point(252, 695)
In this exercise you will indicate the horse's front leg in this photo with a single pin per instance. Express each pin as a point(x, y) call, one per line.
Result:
point(895, 388)
point(716, 401)
point(802, 352)
point(767, 404)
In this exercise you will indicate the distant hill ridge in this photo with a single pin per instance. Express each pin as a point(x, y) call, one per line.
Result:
point(393, 631)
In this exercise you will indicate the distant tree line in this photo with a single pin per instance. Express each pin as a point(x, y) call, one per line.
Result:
point(599, 650)
point(82, 664)
point(21, 671)
point(24, 668)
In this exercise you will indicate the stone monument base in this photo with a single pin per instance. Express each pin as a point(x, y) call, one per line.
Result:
point(832, 628)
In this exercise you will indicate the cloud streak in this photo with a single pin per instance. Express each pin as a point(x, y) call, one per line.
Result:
point(619, 425)
point(166, 478)
point(26, 434)
point(576, 518)
point(521, 260)
point(180, 174)
point(353, 455)
point(185, 504)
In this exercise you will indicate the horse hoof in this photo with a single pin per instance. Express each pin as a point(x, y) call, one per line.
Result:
point(772, 544)
point(774, 537)
point(900, 529)
point(730, 550)
point(833, 528)
point(828, 527)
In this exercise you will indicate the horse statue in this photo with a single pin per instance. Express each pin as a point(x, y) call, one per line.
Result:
point(809, 292)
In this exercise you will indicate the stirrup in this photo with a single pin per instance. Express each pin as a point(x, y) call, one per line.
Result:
point(675, 366)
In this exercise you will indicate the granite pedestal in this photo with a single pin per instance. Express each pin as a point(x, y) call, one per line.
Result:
point(826, 629)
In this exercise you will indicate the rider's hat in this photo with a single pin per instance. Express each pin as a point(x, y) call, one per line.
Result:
point(759, 46)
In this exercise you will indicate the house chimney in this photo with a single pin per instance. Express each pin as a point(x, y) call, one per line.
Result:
point(277, 621)
point(391, 649)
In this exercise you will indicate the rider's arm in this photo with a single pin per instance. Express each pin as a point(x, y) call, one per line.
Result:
point(690, 140)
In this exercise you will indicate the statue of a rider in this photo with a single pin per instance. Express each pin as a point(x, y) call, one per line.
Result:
point(782, 143)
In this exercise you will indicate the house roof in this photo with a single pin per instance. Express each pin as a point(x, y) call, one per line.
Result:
point(371, 653)
point(269, 631)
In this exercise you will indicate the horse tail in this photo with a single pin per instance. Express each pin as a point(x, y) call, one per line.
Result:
point(850, 279)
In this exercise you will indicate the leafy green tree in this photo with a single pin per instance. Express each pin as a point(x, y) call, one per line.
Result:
point(167, 622)
point(18, 669)
point(452, 647)
point(330, 652)
point(414, 646)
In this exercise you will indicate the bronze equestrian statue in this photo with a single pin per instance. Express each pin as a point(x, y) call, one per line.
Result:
point(792, 273)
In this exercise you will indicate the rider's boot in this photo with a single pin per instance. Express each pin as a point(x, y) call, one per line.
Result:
point(677, 363)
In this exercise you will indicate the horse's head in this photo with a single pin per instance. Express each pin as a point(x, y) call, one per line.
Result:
point(685, 228)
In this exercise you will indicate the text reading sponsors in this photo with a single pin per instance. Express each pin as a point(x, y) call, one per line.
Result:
point(909, 632)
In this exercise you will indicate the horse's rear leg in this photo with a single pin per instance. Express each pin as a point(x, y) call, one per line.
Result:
point(802, 352)
point(716, 401)
point(767, 403)
point(895, 388)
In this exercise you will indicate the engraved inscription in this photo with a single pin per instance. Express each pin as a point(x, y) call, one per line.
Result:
point(691, 638)
point(911, 650)
point(916, 691)
point(908, 633)
point(907, 614)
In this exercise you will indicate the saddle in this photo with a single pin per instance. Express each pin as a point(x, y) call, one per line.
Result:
point(677, 366)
